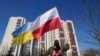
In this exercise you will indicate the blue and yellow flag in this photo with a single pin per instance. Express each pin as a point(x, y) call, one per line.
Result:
point(22, 35)
point(21, 29)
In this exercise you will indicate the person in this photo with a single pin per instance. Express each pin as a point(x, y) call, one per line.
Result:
point(56, 50)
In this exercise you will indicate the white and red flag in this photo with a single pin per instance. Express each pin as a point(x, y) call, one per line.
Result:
point(48, 21)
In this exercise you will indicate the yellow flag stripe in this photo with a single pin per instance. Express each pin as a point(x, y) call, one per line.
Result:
point(22, 38)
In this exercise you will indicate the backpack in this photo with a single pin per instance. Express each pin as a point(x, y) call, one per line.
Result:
point(56, 53)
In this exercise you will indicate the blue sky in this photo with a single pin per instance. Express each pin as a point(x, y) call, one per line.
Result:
point(30, 9)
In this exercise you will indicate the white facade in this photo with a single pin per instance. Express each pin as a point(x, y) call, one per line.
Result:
point(14, 22)
point(48, 38)
point(72, 40)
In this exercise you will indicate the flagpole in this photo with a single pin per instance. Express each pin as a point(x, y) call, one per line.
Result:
point(21, 47)
point(16, 51)
point(33, 48)
point(18, 48)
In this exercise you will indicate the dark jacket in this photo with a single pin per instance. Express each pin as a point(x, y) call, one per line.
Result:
point(49, 51)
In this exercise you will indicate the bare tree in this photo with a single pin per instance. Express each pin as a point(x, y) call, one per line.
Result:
point(91, 52)
point(89, 22)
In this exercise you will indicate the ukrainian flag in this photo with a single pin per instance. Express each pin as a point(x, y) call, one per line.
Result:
point(22, 35)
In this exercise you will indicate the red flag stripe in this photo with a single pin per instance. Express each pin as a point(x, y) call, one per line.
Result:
point(47, 26)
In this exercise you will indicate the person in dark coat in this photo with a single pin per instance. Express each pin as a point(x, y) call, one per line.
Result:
point(56, 50)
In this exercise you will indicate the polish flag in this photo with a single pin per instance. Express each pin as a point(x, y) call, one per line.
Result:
point(48, 21)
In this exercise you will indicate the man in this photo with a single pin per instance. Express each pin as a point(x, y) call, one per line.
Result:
point(56, 50)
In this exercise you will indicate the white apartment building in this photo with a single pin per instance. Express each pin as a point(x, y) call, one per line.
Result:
point(13, 23)
point(70, 37)
point(65, 35)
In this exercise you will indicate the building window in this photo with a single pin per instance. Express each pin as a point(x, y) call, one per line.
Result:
point(74, 54)
point(19, 21)
point(42, 38)
point(74, 49)
point(69, 27)
point(72, 39)
point(61, 29)
point(18, 24)
point(42, 45)
point(12, 49)
point(71, 35)
point(62, 42)
point(61, 35)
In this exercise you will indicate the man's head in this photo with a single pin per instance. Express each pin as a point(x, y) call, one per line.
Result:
point(56, 44)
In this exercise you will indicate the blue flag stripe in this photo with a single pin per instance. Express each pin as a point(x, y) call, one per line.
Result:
point(20, 30)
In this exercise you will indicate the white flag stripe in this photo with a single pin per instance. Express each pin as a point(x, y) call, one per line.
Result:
point(44, 18)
